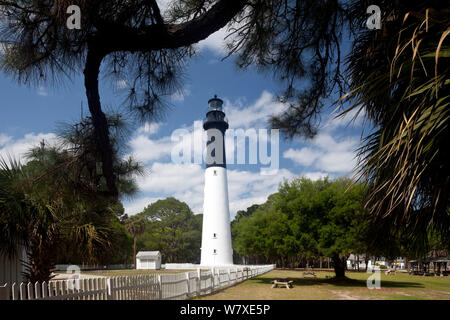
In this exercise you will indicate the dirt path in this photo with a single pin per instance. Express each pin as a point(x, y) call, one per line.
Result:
point(342, 295)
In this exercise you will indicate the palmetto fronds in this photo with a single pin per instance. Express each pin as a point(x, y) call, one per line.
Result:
point(57, 201)
point(404, 87)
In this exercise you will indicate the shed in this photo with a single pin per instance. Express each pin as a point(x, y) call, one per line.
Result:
point(148, 260)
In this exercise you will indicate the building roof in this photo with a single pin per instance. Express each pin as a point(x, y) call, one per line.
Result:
point(148, 254)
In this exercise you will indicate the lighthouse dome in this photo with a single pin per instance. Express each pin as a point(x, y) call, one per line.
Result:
point(215, 103)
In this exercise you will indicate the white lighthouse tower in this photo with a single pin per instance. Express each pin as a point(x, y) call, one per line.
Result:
point(216, 235)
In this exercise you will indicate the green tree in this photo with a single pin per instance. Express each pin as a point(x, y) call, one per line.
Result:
point(62, 201)
point(173, 229)
point(306, 219)
point(135, 225)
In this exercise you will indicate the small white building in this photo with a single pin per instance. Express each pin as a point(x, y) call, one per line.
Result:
point(148, 260)
point(352, 262)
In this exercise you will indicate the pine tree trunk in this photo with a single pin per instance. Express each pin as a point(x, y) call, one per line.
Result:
point(101, 128)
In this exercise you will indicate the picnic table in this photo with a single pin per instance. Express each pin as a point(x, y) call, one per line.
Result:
point(283, 282)
point(390, 271)
point(310, 273)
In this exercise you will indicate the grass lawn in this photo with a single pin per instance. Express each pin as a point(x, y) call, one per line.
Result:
point(393, 287)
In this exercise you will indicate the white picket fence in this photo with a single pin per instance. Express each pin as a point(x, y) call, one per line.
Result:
point(178, 286)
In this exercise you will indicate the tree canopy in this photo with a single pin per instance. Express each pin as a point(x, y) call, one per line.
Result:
point(173, 229)
point(58, 198)
point(305, 220)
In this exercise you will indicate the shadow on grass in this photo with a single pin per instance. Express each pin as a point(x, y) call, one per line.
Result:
point(345, 282)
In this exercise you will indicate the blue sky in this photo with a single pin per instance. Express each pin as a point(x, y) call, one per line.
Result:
point(31, 114)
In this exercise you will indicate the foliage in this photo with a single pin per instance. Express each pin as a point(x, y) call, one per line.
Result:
point(173, 230)
point(402, 84)
point(304, 219)
point(135, 225)
point(13, 208)
point(62, 202)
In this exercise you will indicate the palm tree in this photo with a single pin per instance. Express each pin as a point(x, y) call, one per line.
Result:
point(59, 197)
point(135, 225)
point(14, 211)
point(400, 79)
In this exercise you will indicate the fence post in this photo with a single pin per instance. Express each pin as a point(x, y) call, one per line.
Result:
point(218, 278)
point(22, 290)
point(229, 277)
point(30, 291)
point(199, 283)
point(212, 279)
point(188, 284)
point(44, 290)
point(37, 290)
point(108, 289)
point(160, 286)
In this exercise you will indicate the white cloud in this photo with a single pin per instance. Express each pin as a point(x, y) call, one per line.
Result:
point(181, 94)
point(4, 139)
point(17, 148)
point(150, 128)
point(315, 175)
point(215, 42)
point(337, 162)
point(326, 153)
point(163, 5)
point(240, 115)
point(145, 149)
point(136, 206)
point(351, 118)
point(171, 178)
point(304, 156)
point(42, 91)
point(191, 138)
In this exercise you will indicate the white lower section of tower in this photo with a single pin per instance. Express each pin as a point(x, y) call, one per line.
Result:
point(216, 234)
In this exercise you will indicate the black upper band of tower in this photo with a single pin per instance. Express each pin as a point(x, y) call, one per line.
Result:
point(215, 119)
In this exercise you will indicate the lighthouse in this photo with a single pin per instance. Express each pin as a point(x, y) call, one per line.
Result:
point(216, 234)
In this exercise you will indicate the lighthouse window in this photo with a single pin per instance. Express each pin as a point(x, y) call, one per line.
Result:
point(215, 251)
point(215, 172)
point(215, 235)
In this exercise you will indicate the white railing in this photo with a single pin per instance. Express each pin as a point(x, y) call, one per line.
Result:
point(178, 286)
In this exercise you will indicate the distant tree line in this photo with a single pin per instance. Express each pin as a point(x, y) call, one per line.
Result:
point(314, 223)
point(173, 229)
point(303, 222)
